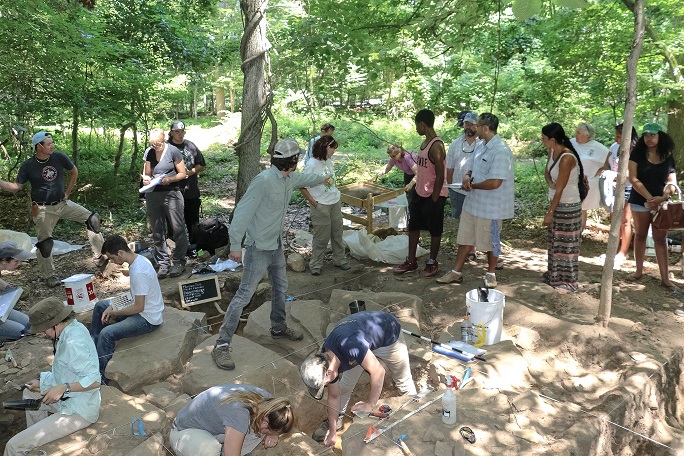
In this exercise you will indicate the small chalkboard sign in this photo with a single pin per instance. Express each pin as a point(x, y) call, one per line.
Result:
point(197, 291)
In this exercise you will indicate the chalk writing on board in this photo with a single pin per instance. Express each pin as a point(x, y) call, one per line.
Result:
point(200, 290)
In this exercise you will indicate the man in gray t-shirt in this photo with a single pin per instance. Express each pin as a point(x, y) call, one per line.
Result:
point(50, 202)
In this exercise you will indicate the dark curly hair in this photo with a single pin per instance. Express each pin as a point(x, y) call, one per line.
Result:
point(320, 147)
point(666, 147)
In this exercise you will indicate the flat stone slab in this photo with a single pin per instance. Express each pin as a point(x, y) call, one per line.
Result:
point(152, 357)
point(111, 434)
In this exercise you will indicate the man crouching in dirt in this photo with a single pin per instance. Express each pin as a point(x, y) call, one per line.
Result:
point(356, 344)
point(260, 214)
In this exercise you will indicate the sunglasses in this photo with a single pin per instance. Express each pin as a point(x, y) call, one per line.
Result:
point(467, 434)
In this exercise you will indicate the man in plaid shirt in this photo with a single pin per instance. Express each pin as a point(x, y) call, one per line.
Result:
point(490, 200)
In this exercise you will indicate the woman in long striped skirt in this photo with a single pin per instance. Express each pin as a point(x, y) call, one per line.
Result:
point(567, 188)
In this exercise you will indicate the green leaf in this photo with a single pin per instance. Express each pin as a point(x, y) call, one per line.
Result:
point(572, 4)
point(525, 9)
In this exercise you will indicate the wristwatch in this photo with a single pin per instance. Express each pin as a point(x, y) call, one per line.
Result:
point(68, 389)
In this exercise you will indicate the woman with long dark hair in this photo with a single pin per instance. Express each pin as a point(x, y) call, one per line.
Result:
point(230, 420)
point(565, 176)
point(653, 175)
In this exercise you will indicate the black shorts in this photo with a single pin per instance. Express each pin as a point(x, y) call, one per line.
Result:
point(425, 214)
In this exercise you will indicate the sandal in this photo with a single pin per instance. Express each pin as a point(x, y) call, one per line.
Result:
point(472, 257)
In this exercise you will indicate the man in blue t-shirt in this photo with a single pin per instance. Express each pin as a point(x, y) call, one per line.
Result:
point(50, 202)
point(357, 343)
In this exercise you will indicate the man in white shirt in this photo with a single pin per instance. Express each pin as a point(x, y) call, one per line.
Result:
point(490, 199)
point(144, 315)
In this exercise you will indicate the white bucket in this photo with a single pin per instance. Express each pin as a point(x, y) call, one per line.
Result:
point(80, 293)
point(489, 314)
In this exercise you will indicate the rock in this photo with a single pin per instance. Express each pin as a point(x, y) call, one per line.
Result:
point(157, 354)
point(11, 371)
point(3, 368)
point(433, 435)
point(116, 412)
point(444, 448)
point(525, 338)
point(154, 446)
point(295, 261)
point(25, 362)
point(176, 406)
point(161, 397)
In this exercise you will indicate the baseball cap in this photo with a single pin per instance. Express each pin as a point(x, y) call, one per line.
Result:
point(652, 128)
point(470, 117)
point(9, 249)
point(47, 313)
point(177, 125)
point(40, 137)
point(286, 148)
point(313, 371)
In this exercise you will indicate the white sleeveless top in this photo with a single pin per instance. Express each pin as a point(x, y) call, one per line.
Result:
point(571, 190)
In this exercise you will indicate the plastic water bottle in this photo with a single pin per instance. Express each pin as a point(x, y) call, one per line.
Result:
point(650, 245)
point(466, 330)
point(449, 402)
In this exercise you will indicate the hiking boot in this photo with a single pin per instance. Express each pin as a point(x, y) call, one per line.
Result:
point(177, 269)
point(222, 358)
point(431, 269)
point(315, 272)
point(101, 261)
point(405, 267)
point(320, 433)
point(490, 279)
point(451, 277)
point(344, 266)
point(53, 281)
point(163, 272)
point(286, 333)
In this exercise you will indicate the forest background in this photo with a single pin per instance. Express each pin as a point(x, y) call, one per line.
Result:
point(101, 75)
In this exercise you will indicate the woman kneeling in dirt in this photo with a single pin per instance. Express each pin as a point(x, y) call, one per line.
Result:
point(230, 420)
point(565, 176)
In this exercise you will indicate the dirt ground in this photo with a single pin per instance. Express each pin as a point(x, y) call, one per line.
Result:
point(642, 312)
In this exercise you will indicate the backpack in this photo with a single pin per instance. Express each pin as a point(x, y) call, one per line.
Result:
point(211, 234)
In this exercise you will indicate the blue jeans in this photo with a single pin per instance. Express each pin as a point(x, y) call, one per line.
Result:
point(105, 336)
point(16, 325)
point(255, 265)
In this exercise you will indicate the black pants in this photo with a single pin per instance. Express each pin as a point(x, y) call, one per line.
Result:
point(191, 214)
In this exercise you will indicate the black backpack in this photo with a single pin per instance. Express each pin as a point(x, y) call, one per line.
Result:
point(211, 234)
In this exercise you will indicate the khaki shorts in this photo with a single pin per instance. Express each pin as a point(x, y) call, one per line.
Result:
point(478, 231)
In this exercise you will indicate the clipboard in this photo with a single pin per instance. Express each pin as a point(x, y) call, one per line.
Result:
point(8, 299)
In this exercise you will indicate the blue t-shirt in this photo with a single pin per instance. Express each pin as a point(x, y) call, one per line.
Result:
point(47, 179)
point(355, 334)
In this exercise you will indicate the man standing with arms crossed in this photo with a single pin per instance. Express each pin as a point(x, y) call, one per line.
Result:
point(490, 200)
point(51, 203)
point(260, 215)
point(428, 197)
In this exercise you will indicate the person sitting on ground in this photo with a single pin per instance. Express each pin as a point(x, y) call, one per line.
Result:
point(144, 315)
point(327, 129)
point(17, 324)
point(403, 160)
point(74, 376)
point(230, 420)
point(259, 219)
point(326, 208)
point(355, 345)
point(50, 202)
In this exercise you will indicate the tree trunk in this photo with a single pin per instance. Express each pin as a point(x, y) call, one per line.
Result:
point(122, 142)
point(220, 94)
point(606, 301)
point(74, 135)
point(253, 52)
point(232, 98)
point(675, 128)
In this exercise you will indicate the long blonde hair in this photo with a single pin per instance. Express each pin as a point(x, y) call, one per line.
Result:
point(277, 411)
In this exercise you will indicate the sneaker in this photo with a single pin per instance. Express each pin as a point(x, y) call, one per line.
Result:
point(53, 281)
point(679, 311)
point(286, 333)
point(163, 272)
point(344, 266)
point(222, 358)
point(315, 272)
point(490, 279)
point(320, 433)
point(101, 261)
point(451, 277)
point(499, 264)
point(406, 266)
point(177, 269)
point(431, 269)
